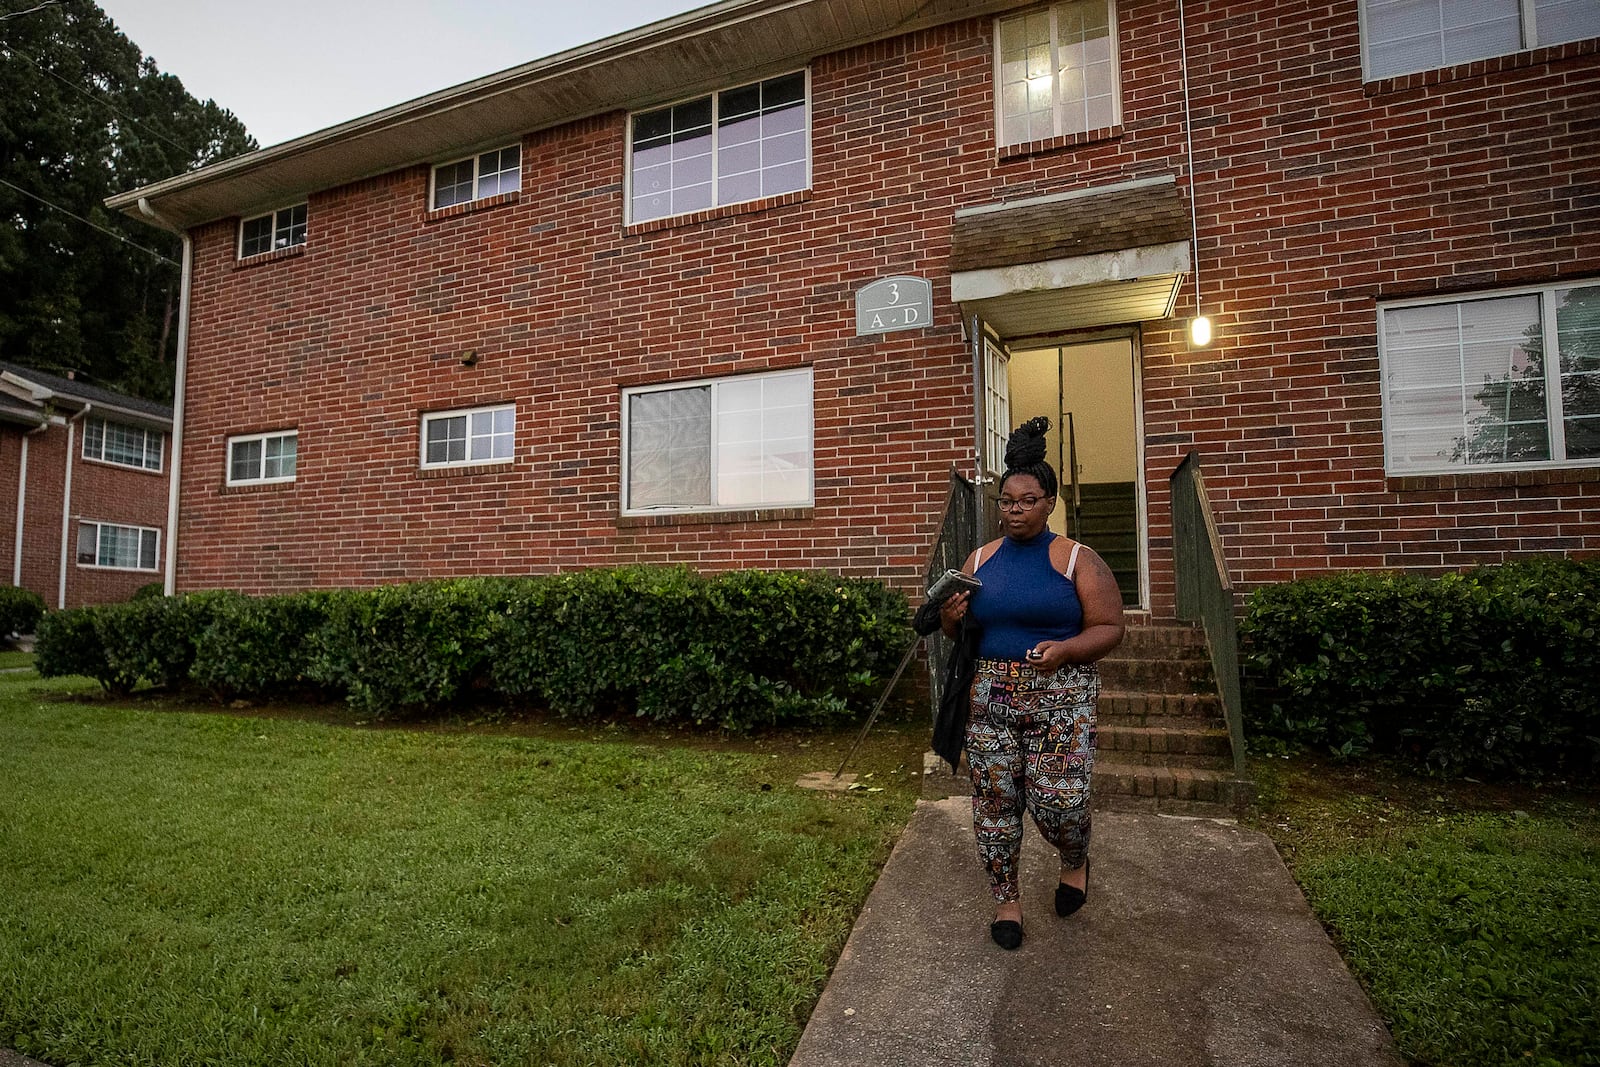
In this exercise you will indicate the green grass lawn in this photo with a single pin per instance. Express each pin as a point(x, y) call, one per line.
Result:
point(12, 658)
point(182, 887)
point(1471, 913)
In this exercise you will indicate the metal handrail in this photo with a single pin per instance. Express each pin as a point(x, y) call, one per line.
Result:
point(1205, 594)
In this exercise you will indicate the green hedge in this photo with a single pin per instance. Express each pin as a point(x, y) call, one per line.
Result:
point(1492, 672)
point(20, 610)
point(736, 650)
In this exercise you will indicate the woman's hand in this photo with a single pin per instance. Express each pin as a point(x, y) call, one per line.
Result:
point(1049, 655)
point(952, 611)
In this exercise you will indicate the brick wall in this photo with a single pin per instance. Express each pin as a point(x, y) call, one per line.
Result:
point(1317, 196)
point(100, 492)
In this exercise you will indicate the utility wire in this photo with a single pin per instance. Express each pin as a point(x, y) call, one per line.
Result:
point(14, 50)
point(86, 222)
point(31, 10)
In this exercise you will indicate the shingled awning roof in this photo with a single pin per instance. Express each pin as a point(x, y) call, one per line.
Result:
point(1092, 257)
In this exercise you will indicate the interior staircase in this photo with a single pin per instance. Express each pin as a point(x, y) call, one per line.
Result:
point(1163, 741)
point(1108, 522)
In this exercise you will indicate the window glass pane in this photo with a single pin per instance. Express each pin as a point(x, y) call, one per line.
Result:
point(147, 549)
point(1465, 384)
point(88, 542)
point(764, 440)
point(290, 228)
point(447, 439)
point(1566, 20)
point(279, 460)
point(669, 448)
point(256, 236)
point(129, 446)
point(1404, 36)
point(1578, 333)
point(452, 184)
point(244, 464)
point(500, 171)
point(94, 438)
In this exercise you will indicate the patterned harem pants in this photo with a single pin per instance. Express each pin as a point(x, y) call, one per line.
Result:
point(1030, 741)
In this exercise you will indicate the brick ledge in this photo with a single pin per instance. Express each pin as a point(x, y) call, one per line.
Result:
point(704, 518)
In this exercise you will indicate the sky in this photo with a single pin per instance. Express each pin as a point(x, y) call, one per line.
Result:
point(293, 67)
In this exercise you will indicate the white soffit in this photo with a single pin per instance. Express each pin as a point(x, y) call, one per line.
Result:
point(1105, 289)
point(712, 47)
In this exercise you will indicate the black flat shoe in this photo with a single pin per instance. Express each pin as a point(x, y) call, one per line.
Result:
point(1007, 933)
point(1070, 898)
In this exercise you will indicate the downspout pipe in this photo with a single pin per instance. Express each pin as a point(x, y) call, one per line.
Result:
point(176, 469)
point(66, 505)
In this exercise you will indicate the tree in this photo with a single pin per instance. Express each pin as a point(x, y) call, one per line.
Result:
point(83, 114)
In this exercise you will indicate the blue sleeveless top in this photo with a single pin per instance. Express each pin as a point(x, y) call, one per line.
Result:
point(1024, 600)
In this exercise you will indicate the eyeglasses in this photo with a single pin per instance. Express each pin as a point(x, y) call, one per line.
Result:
point(1027, 503)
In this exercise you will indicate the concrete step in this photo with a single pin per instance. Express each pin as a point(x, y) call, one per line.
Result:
point(1165, 745)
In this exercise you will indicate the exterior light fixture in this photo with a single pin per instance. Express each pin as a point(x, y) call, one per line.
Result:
point(1199, 326)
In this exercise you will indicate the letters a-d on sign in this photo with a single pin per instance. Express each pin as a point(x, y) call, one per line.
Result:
point(900, 302)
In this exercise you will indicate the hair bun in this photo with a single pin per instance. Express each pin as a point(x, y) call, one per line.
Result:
point(1025, 447)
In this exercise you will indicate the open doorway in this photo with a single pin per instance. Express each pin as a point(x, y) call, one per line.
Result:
point(1089, 391)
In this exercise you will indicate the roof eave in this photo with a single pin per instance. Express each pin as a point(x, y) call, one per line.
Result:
point(679, 56)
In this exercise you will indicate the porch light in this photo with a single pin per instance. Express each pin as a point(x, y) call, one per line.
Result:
point(1199, 331)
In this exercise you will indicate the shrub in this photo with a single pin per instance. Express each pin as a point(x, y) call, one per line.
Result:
point(735, 650)
point(257, 646)
point(404, 649)
point(1487, 672)
point(20, 610)
point(68, 643)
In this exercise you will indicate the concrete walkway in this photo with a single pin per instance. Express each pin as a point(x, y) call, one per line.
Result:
point(1195, 948)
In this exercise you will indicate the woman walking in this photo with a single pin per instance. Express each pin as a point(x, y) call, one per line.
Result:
point(1049, 608)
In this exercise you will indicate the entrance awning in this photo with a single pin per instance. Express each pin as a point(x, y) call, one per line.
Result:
point(1093, 257)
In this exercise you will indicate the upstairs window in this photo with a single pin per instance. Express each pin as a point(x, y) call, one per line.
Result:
point(468, 438)
point(1057, 71)
point(730, 147)
point(743, 442)
point(1504, 379)
point(263, 458)
point(477, 177)
point(272, 231)
point(1407, 36)
point(125, 446)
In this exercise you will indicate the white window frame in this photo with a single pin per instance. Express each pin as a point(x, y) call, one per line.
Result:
point(143, 467)
point(1056, 103)
point(1552, 381)
point(99, 529)
point(716, 98)
point(263, 438)
point(713, 384)
point(476, 159)
point(1530, 39)
point(996, 404)
point(284, 226)
point(430, 417)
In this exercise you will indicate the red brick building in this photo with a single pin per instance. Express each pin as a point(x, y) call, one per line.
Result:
point(646, 300)
point(83, 487)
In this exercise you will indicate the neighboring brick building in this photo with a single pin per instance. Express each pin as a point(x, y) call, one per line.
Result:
point(603, 308)
point(83, 487)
